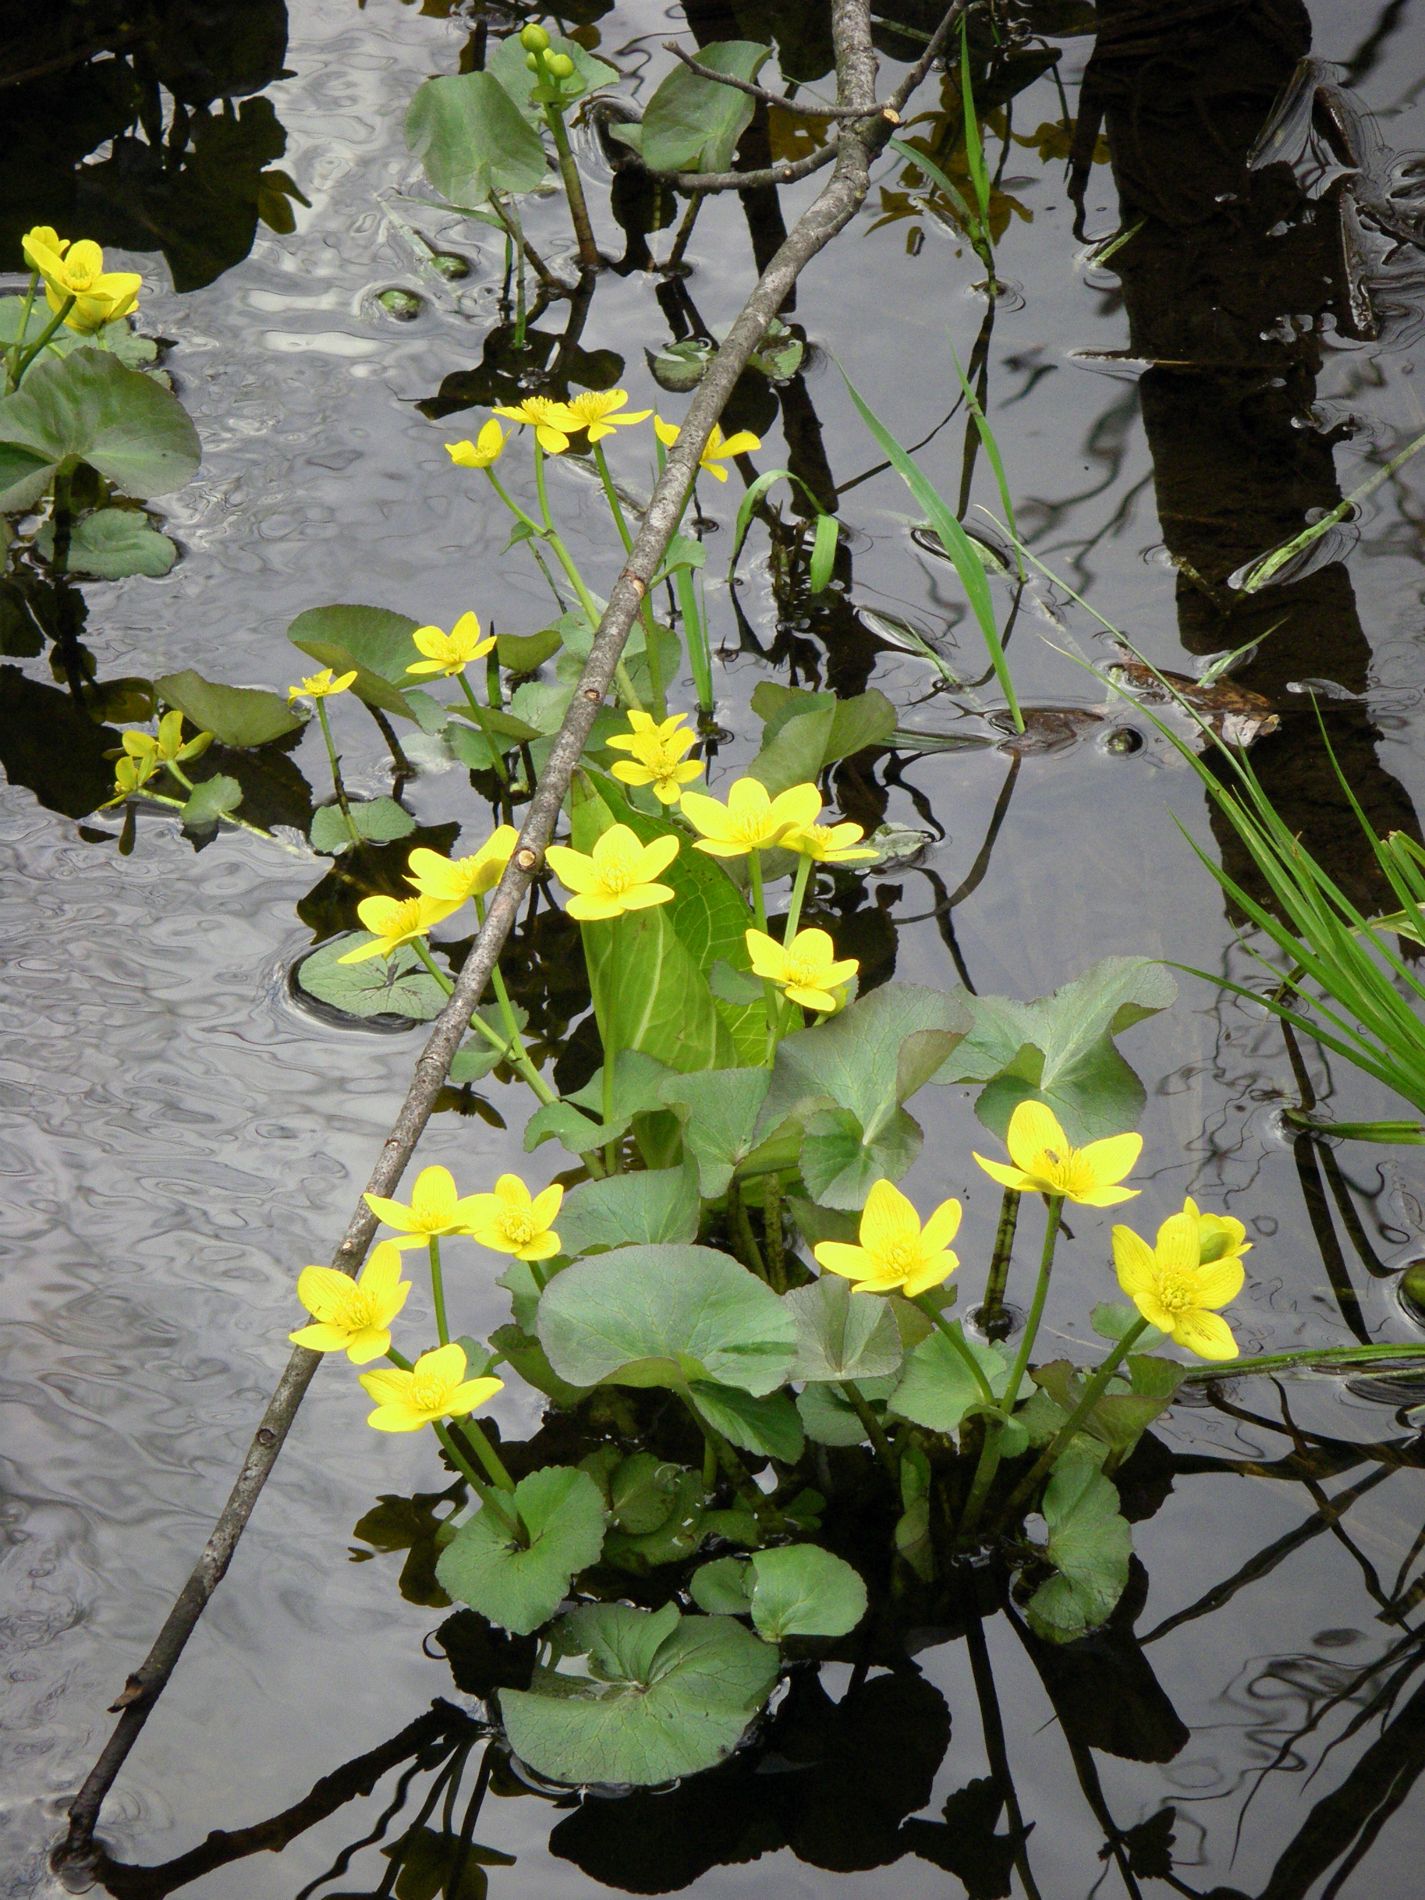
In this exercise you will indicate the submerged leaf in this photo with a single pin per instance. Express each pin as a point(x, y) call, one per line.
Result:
point(399, 985)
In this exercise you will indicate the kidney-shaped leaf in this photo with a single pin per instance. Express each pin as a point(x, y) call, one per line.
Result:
point(375, 641)
point(841, 1336)
point(692, 122)
point(665, 1315)
point(1089, 1547)
point(803, 1590)
point(88, 407)
point(1060, 1049)
point(235, 715)
point(518, 1586)
point(659, 1695)
point(471, 137)
point(630, 1209)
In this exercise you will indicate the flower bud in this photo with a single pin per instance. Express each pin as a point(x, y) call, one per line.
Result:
point(534, 39)
point(531, 62)
point(561, 65)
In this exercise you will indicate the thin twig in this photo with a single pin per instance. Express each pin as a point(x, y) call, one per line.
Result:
point(883, 116)
point(755, 91)
point(832, 209)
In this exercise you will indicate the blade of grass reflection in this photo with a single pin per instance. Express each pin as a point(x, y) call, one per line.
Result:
point(1349, 1691)
point(1267, 1559)
point(1371, 1792)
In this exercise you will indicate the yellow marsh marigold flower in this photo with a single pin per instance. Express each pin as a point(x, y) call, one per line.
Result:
point(617, 876)
point(169, 747)
point(658, 748)
point(829, 844)
point(450, 882)
point(433, 1389)
point(353, 1316)
point(512, 1220)
point(77, 271)
point(1219, 1236)
point(1175, 1289)
point(449, 653)
point(594, 410)
point(132, 773)
point(750, 820)
point(896, 1254)
point(321, 685)
point(1044, 1163)
point(486, 449)
point(806, 970)
point(435, 1209)
point(720, 448)
point(393, 921)
point(550, 420)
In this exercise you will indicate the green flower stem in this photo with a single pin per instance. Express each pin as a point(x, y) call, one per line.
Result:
point(509, 1045)
point(961, 1345)
point(437, 1291)
point(224, 818)
point(1089, 1398)
point(489, 1497)
point(476, 1436)
point(478, 714)
point(54, 323)
point(606, 1104)
point(1324, 1356)
point(587, 604)
point(508, 499)
point(992, 1308)
point(650, 641)
point(422, 950)
point(799, 891)
point(12, 356)
point(772, 1232)
point(872, 1427)
point(62, 516)
point(990, 1450)
point(717, 1447)
point(771, 1002)
point(746, 1240)
point(338, 787)
point(589, 258)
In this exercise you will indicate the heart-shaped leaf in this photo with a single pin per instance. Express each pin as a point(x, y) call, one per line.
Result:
point(628, 1210)
point(471, 138)
point(1089, 1547)
point(87, 407)
point(656, 1695)
point(841, 1335)
point(520, 1586)
point(665, 1315)
point(242, 716)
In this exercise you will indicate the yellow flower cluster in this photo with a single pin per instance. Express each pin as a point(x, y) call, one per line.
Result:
point(593, 413)
point(1178, 1284)
point(354, 1316)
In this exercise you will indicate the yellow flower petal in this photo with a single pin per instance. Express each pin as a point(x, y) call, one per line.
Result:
point(1206, 1334)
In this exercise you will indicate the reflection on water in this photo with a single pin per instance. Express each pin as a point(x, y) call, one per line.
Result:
point(178, 1135)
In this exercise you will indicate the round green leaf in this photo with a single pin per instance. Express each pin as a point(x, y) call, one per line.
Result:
point(235, 715)
point(380, 986)
point(723, 1587)
point(517, 1587)
point(665, 1315)
point(112, 543)
point(841, 1335)
point(470, 136)
point(803, 1590)
point(657, 1695)
point(378, 819)
point(88, 407)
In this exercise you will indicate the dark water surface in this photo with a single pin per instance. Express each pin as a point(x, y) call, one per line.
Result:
point(179, 1136)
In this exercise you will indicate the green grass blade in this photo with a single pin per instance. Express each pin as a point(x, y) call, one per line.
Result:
point(956, 542)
